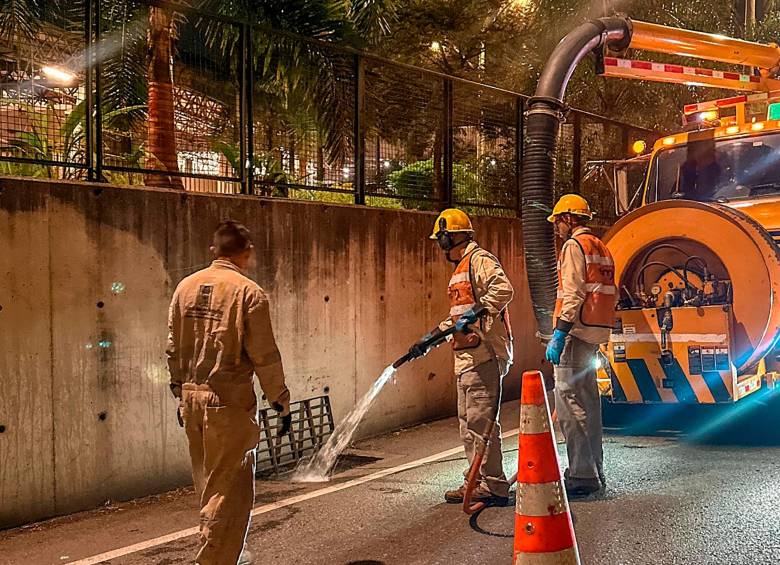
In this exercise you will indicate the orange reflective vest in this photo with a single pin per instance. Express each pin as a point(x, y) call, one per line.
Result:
point(463, 298)
point(598, 310)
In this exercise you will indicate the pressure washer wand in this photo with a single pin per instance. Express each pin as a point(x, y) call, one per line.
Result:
point(434, 339)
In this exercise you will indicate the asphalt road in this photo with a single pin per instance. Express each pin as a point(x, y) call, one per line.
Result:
point(704, 498)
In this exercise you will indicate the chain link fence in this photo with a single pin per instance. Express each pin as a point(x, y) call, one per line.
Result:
point(142, 93)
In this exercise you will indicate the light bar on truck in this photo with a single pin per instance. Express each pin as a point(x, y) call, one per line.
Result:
point(692, 76)
point(757, 98)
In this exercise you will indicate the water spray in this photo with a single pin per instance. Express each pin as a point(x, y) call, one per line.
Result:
point(320, 466)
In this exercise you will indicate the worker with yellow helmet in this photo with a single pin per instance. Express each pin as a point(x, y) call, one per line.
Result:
point(584, 314)
point(483, 354)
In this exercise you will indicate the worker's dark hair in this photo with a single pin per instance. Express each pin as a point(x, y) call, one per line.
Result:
point(231, 239)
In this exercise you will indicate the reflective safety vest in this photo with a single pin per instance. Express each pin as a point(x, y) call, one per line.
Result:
point(463, 298)
point(598, 310)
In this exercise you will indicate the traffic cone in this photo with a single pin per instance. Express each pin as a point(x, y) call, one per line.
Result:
point(544, 533)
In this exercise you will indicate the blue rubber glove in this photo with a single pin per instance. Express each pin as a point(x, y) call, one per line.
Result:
point(466, 319)
point(555, 347)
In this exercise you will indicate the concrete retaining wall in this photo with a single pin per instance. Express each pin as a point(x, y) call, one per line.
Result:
point(86, 274)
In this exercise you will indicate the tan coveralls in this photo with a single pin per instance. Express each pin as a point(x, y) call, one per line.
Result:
point(219, 335)
point(577, 399)
point(480, 370)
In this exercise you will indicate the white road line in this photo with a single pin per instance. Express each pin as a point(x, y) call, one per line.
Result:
point(264, 509)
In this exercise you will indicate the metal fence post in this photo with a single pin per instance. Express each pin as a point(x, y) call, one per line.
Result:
point(88, 118)
point(519, 139)
point(250, 115)
point(242, 85)
point(447, 181)
point(577, 153)
point(98, 96)
point(359, 142)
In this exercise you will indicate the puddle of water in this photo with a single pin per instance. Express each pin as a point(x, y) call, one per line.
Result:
point(319, 468)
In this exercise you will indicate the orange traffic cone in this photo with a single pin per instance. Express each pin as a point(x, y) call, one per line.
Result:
point(544, 534)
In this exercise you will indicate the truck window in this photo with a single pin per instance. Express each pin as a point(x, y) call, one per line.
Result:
point(717, 170)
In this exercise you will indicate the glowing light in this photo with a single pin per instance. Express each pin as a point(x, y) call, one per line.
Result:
point(89, 346)
point(668, 140)
point(639, 146)
point(493, 162)
point(597, 363)
point(117, 287)
point(758, 126)
point(709, 115)
point(58, 75)
point(435, 46)
point(773, 112)
point(104, 344)
point(386, 164)
point(732, 129)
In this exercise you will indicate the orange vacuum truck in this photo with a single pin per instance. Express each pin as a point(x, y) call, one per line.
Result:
point(697, 264)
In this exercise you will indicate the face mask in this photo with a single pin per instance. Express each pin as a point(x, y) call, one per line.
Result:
point(444, 240)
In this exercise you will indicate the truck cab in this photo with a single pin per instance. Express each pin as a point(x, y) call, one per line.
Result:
point(731, 156)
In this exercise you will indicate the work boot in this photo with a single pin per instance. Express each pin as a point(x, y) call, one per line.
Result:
point(455, 496)
point(581, 487)
point(482, 494)
point(246, 557)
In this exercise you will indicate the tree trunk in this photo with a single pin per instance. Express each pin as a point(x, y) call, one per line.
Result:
point(161, 142)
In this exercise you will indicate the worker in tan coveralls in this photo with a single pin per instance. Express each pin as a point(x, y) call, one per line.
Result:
point(219, 336)
point(482, 356)
point(584, 314)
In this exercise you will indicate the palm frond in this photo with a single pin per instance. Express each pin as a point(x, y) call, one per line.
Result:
point(372, 18)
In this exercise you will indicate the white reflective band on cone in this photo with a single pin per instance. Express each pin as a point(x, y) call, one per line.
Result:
point(533, 419)
point(565, 557)
point(540, 499)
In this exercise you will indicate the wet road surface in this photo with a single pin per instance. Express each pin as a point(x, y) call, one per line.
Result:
point(712, 497)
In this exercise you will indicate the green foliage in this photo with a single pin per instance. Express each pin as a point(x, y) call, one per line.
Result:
point(37, 142)
point(417, 180)
point(266, 169)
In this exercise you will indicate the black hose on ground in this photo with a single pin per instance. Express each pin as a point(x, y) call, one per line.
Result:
point(546, 110)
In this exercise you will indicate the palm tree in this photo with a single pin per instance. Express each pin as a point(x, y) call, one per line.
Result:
point(296, 81)
point(162, 128)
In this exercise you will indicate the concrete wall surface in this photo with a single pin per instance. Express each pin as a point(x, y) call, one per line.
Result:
point(86, 275)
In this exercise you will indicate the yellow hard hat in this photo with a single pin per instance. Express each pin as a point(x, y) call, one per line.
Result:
point(571, 204)
point(452, 220)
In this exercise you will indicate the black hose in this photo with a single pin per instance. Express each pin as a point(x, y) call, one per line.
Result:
point(649, 253)
point(701, 261)
point(671, 269)
point(545, 113)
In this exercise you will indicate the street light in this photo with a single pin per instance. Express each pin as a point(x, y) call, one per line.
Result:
point(58, 75)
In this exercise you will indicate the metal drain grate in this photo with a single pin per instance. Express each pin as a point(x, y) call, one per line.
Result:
point(312, 423)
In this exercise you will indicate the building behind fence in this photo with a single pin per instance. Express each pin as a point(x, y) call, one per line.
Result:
point(247, 110)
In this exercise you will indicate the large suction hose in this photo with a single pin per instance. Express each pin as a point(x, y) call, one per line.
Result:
point(545, 113)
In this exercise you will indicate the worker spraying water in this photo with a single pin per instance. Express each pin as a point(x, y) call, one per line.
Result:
point(482, 356)
point(478, 326)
